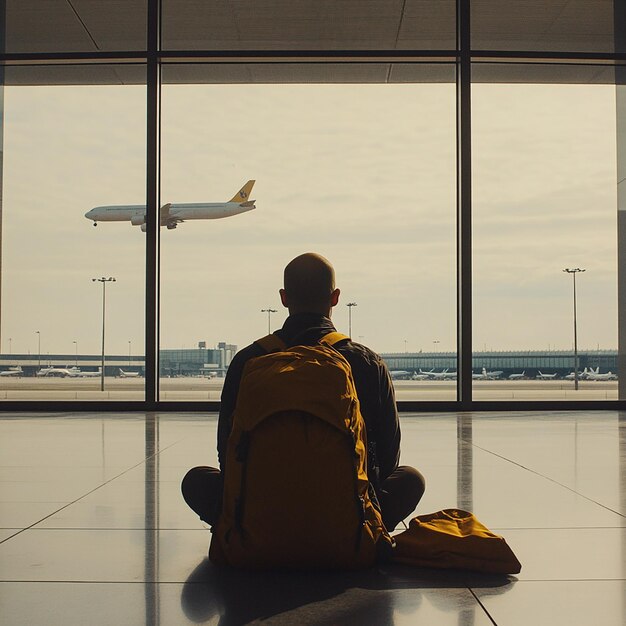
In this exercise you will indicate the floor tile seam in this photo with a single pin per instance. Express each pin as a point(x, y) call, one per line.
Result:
point(482, 606)
point(520, 581)
point(111, 529)
point(514, 528)
point(19, 531)
point(135, 581)
point(571, 580)
point(552, 480)
point(87, 582)
point(207, 530)
point(88, 493)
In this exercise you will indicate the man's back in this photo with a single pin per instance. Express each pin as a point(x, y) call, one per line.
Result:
point(372, 381)
point(310, 294)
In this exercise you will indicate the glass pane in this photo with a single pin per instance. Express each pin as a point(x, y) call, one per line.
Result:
point(544, 197)
point(288, 25)
point(66, 150)
point(78, 26)
point(553, 25)
point(363, 174)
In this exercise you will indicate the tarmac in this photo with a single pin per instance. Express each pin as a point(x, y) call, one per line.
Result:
point(205, 389)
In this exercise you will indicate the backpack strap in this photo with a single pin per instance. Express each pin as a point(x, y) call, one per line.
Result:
point(332, 339)
point(271, 343)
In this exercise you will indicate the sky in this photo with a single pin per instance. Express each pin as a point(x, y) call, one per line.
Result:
point(363, 174)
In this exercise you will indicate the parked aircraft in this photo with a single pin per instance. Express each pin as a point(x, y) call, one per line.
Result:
point(61, 372)
point(400, 374)
point(485, 375)
point(595, 375)
point(584, 375)
point(174, 214)
point(541, 376)
point(124, 374)
point(14, 370)
point(521, 376)
point(443, 375)
point(421, 375)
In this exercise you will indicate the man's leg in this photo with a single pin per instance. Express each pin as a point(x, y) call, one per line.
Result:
point(399, 494)
point(202, 490)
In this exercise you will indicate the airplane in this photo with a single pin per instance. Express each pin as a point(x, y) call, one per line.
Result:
point(443, 375)
point(584, 375)
point(400, 375)
point(521, 376)
point(174, 214)
point(485, 375)
point(14, 370)
point(595, 375)
point(124, 374)
point(541, 376)
point(62, 372)
point(420, 375)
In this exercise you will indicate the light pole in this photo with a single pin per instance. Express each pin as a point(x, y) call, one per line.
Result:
point(435, 342)
point(405, 350)
point(573, 272)
point(104, 282)
point(269, 316)
point(129, 347)
point(76, 353)
point(10, 340)
point(38, 333)
point(350, 305)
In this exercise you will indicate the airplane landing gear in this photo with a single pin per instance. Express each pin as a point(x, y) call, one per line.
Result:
point(95, 223)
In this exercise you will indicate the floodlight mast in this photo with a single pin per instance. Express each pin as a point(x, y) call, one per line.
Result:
point(104, 281)
point(269, 312)
point(573, 272)
point(350, 305)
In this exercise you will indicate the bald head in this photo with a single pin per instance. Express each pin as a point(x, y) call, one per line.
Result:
point(309, 285)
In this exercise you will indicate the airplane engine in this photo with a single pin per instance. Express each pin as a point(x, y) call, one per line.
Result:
point(144, 228)
point(171, 225)
point(137, 220)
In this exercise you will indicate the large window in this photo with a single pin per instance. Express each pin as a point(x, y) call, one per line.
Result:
point(451, 166)
point(68, 149)
point(544, 201)
point(363, 174)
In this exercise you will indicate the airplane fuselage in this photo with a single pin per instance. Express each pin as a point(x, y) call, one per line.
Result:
point(170, 214)
point(184, 211)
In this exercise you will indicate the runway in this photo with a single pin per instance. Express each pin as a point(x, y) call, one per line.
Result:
point(205, 389)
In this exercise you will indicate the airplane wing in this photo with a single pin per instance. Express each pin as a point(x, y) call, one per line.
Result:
point(165, 212)
point(167, 219)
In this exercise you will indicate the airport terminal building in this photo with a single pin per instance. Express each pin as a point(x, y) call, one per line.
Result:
point(214, 362)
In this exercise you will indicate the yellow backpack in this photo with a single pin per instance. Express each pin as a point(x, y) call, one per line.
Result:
point(296, 492)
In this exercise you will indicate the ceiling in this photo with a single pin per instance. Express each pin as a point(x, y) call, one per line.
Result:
point(58, 26)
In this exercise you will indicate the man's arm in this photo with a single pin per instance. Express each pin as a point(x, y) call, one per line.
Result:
point(378, 406)
point(229, 398)
point(388, 424)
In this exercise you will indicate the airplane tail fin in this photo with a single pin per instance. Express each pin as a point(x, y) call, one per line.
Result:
point(244, 193)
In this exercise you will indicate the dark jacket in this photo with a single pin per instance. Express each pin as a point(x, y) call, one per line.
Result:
point(373, 386)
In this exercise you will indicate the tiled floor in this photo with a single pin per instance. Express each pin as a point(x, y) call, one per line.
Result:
point(93, 529)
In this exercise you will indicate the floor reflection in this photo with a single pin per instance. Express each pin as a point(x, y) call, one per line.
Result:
point(372, 597)
point(151, 554)
point(465, 463)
